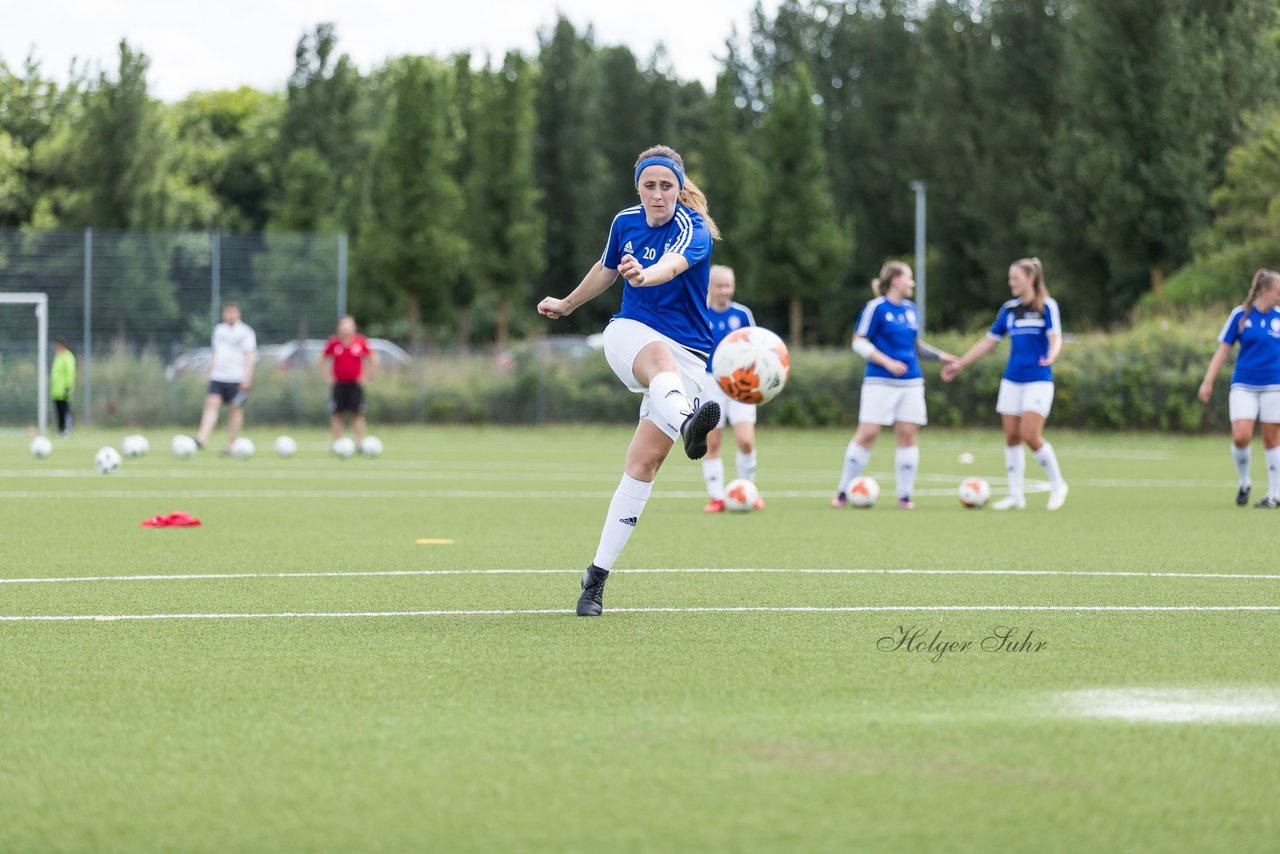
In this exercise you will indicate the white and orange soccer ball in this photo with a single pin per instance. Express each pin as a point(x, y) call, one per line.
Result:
point(974, 492)
point(740, 496)
point(751, 365)
point(862, 491)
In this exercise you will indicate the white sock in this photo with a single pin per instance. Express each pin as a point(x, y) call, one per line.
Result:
point(906, 462)
point(713, 474)
point(1016, 465)
point(624, 511)
point(1048, 461)
point(747, 466)
point(1242, 457)
point(1273, 473)
point(856, 458)
point(668, 403)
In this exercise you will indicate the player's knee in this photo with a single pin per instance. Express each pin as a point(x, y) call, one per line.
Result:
point(746, 446)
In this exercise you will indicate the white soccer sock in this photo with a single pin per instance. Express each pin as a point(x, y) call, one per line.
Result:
point(1273, 473)
point(1016, 466)
point(856, 458)
point(624, 512)
point(713, 474)
point(1242, 458)
point(746, 464)
point(668, 403)
point(1048, 461)
point(906, 462)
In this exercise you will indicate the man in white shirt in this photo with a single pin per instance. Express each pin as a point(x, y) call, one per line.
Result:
point(230, 374)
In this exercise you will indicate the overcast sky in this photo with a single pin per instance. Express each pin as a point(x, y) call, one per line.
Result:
point(210, 45)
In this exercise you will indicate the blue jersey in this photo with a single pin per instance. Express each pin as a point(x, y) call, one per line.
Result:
point(1258, 365)
point(1028, 330)
point(893, 330)
point(678, 308)
point(734, 317)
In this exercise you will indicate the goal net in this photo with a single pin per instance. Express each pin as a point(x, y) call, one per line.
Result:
point(24, 360)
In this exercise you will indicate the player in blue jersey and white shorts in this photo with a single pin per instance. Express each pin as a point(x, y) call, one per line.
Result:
point(1255, 383)
point(888, 337)
point(727, 316)
point(658, 343)
point(1034, 326)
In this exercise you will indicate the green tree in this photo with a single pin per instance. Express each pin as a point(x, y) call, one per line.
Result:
point(414, 246)
point(732, 182)
point(802, 248)
point(505, 223)
point(572, 171)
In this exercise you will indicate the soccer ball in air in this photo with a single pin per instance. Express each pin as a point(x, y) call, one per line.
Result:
point(242, 448)
point(974, 492)
point(343, 448)
point(751, 365)
point(740, 496)
point(107, 460)
point(862, 491)
point(41, 447)
point(285, 447)
point(370, 446)
point(184, 447)
point(135, 446)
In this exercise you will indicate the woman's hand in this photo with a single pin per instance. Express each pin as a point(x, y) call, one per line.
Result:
point(895, 367)
point(554, 308)
point(1206, 391)
point(632, 270)
point(951, 370)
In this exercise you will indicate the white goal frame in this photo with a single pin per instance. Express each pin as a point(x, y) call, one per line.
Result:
point(41, 302)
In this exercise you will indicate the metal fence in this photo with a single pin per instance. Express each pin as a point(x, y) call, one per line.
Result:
point(152, 298)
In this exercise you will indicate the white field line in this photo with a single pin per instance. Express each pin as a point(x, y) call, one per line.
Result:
point(231, 576)
point(763, 609)
point(486, 494)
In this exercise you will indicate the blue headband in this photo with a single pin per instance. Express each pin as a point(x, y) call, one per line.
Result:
point(660, 161)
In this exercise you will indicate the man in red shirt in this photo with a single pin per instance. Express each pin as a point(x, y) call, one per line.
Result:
point(349, 352)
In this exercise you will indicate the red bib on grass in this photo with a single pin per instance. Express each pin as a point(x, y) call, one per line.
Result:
point(172, 520)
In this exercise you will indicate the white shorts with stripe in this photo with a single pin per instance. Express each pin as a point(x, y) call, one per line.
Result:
point(886, 403)
point(1251, 403)
point(623, 341)
point(1017, 398)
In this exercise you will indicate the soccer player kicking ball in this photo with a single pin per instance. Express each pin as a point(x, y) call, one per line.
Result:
point(726, 316)
point(349, 353)
point(658, 343)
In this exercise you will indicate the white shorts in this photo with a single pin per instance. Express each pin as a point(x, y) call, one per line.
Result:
point(1017, 398)
point(731, 411)
point(1254, 404)
point(888, 403)
point(623, 341)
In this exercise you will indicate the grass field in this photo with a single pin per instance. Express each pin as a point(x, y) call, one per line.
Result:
point(301, 673)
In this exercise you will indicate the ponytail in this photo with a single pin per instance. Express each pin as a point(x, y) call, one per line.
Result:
point(891, 270)
point(1263, 278)
point(693, 198)
point(1035, 270)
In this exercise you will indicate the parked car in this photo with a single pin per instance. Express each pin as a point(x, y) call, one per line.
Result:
point(552, 348)
point(194, 361)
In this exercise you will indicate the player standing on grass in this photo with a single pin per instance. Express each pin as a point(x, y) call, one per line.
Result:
point(658, 343)
point(1255, 383)
point(1034, 326)
point(230, 375)
point(888, 337)
point(349, 353)
point(726, 316)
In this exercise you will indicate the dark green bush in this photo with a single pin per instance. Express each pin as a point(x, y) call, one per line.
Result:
point(1142, 378)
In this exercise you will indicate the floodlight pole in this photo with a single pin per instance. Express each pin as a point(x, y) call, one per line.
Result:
point(918, 187)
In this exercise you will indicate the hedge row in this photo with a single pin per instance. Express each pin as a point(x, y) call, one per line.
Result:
point(1143, 378)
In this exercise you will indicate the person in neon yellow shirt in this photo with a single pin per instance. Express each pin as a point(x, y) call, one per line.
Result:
point(62, 384)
